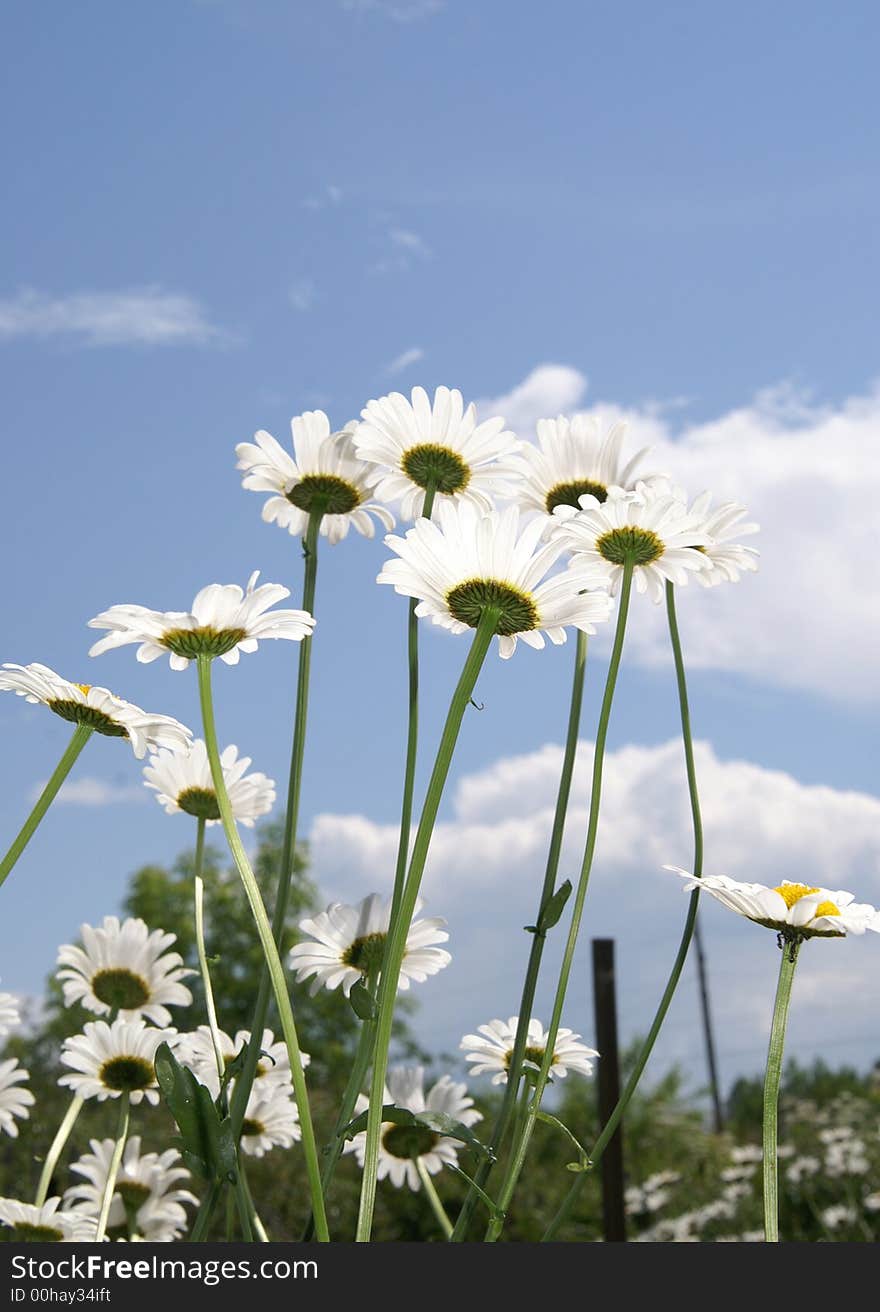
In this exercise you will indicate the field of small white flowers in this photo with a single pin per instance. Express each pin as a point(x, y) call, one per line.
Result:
point(505, 542)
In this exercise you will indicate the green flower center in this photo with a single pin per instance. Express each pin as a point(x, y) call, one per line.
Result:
point(252, 1128)
point(200, 802)
point(569, 494)
point(206, 641)
point(120, 988)
point(435, 466)
point(133, 1194)
point(324, 493)
point(534, 1055)
point(518, 613)
point(126, 1074)
point(37, 1234)
point(78, 713)
point(638, 546)
point(409, 1141)
point(365, 953)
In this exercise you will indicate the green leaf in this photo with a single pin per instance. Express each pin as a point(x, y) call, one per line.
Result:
point(495, 1213)
point(363, 1004)
point(206, 1141)
point(554, 907)
point(437, 1122)
point(583, 1163)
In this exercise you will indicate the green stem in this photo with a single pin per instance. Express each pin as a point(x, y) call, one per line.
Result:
point(199, 1231)
point(687, 935)
point(520, 1150)
point(514, 1074)
point(110, 1185)
point(772, 1077)
point(333, 1149)
point(55, 1151)
point(412, 737)
point(434, 1199)
point(270, 950)
point(199, 917)
point(256, 1224)
point(81, 735)
point(244, 1083)
point(396, 944)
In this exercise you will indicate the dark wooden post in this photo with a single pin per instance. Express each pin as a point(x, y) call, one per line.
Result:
point(608, 1075)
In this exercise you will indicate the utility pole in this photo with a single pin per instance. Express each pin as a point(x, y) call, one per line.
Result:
point(605, 1006)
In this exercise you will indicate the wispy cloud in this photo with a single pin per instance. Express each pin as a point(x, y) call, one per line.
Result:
point(406, 247)
point(321, 200)
point(410, 356)
point(302, 294)
point(144, 316)
point(94, 792)
point(399, 11)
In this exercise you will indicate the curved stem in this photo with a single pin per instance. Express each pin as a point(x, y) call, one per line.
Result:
point(519, 1154)
point(396, 943)
point(687, 935)
point(270, 950)
point(81, 735)
point(199, 1231)
point(333, 1149)
point(434, 1199)
point(244, 1083)
point(110, 1185)
point(771, 1087)
point(56, 1149)
point(514, 1074)
point(199, 917)
point(412, 737)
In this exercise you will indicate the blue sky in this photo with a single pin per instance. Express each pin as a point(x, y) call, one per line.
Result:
point(222, 214)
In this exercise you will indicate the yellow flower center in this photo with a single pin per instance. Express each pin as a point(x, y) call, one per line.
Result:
point(791, 893)
point(85, 688)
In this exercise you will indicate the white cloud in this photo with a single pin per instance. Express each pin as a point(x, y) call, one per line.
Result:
point(89, 791)
point(399, 11)
point(487, 860)
point(302, 294)
point(549, 390)
point(146, 316)
point(406, 358)
point(329, 195)
point(810, 476)
point(410, 241)
point(406, 246)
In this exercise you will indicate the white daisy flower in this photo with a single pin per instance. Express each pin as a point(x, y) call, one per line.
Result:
point(727, 557)
point(196, 1050)
point(124, 967)
point(183, 782)
point(14, 1102)
point(402, 1146)
point(101, 710)
point(271, 1120)
point(147, 1195)
point(346, 943)
point(9, 1014)
point(491, 1049)
point(109, 1060)
point(46, 1224)
point(468, 560)
point(324, 475)
point(224, 621)
point(416, 445)
point(794, 910)
point(572, 459)
point(650, 527)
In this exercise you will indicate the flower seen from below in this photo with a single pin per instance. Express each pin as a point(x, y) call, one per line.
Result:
point(468, 560)
point(323, 475)
point(224, 621)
